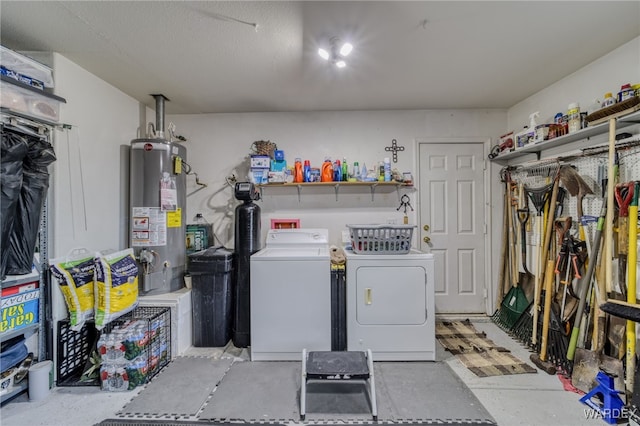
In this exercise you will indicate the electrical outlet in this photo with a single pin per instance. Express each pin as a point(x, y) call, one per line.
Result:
point(392, 221)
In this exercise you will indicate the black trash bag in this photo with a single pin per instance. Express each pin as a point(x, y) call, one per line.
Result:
point(39, 156)
point(12, 153)
point(22, 243)
point(35, 183)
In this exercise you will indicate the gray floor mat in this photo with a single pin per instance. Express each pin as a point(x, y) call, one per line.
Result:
point(427, 390)
point(264, 391)
point(180, 389)
point(254, 391)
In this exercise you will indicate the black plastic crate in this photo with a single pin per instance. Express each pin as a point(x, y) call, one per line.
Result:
point(74, 348)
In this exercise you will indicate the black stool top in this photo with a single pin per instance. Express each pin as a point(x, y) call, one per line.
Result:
point(337, 365)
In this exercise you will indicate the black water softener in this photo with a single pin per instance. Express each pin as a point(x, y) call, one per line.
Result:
point(247, 242)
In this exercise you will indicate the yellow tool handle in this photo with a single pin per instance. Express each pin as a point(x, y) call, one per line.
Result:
point(548, 289)
point(632, 260)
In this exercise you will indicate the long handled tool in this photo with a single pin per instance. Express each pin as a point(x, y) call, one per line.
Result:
point(631, 290)
point(541, 360)
point(585, 282)
point(624, 195)
point(523, 217)
point(504, 266)
point(588, 363)
point(515, 301)
point(539, 197)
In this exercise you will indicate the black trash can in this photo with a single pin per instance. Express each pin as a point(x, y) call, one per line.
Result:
point(211, 296)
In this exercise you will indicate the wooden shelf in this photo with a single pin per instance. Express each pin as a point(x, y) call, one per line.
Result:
point(373, 186)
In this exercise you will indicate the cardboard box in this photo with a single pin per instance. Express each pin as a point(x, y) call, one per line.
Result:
point(19, 306)
point(181, 321)
point(260, 161)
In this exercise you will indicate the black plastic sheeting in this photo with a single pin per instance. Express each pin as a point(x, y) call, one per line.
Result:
point(25, 181)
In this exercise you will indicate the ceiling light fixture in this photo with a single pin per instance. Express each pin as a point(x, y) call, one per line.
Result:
point(336, 52)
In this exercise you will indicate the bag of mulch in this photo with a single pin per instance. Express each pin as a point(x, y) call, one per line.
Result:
point(116, 287)
point(75, 275)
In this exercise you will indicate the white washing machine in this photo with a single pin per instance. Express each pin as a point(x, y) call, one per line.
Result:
point(390, 305)
point(291, 295)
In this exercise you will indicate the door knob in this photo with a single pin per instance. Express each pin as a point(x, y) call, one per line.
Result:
point(426, 227)
point(426, 240)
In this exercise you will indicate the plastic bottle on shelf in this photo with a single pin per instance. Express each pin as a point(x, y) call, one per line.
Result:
point(326, 173)
point(594, 106)
point(573, 112)
point(345, 170)
point(337, 171)
point(626, 92)
point(356, 171)
point(363, 173)
point(298, 174)
point(380, 171)
point(199, 234)
point(608, 100)
point(387, 169)
point(306, 171)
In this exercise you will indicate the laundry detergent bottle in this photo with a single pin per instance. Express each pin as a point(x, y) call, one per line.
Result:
point(306, 171)
point(326, 173)
point(298, 176)
point(337, 171)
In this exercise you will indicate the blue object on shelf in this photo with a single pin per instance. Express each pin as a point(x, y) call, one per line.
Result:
point(13, 355)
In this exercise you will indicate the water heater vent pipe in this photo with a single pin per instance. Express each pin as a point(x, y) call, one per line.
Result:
point(160, 114)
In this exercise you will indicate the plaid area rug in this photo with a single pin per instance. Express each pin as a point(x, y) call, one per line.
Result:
point(478, 353)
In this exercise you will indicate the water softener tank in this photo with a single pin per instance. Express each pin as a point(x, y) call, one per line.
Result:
point(157, 202)
point(247, 242)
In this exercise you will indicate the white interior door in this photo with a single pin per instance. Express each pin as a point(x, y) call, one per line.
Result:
point(452, 218)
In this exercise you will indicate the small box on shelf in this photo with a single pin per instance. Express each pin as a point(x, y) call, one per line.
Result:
point(19, 306)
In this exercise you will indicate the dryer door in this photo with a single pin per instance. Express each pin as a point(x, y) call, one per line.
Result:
point(391, 295)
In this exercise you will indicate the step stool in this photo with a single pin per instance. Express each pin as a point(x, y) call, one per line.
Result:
point(612, 404)
point(337, 366)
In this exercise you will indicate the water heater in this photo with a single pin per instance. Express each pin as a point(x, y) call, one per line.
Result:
point(157, 197)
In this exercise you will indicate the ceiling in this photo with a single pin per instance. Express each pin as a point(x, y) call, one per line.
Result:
point(240, 56)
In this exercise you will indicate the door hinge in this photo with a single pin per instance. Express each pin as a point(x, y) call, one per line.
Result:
point(485, 229)
point(485, 293)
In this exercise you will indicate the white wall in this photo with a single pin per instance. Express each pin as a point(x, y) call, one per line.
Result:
point(219, 145)
point(87, 204)
point(605, 74)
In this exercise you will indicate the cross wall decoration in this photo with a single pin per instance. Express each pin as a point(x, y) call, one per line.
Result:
point(394, 148)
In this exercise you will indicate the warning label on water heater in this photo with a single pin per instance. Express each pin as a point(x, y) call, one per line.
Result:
point(148, 227)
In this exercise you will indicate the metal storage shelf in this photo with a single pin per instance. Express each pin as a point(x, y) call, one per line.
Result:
point(28, 330)
point(14, 280)
point(41, 273)
point(582, 134)
point(16, 390)
point(373, 186)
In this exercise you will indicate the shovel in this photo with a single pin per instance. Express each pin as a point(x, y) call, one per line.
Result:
point(586, 366)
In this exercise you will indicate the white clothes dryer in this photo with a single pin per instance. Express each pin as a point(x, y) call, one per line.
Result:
point(290, 295)
point(390, 305)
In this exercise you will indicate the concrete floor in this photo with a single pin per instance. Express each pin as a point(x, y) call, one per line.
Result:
point(526, 399)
